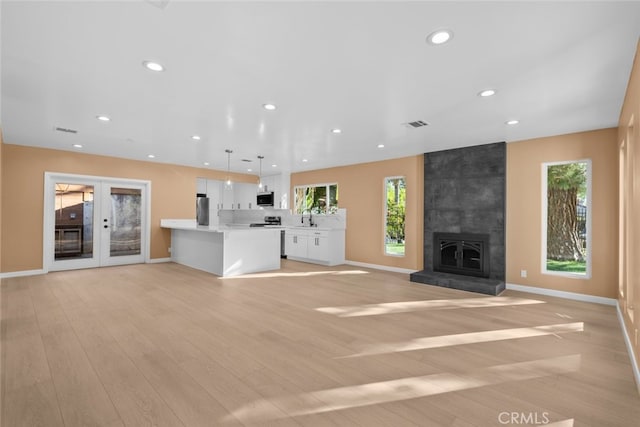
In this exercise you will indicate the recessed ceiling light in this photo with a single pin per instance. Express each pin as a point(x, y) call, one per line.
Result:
point(439, 37)
point(274, 166)
point(77, 145)
point(249, 170)
point(380, 145)
point(103, 118)
point(269, 107)
point(153, 66)
point(512, 122)
point(336, 130)
point(487, 92)
point(304, 160)
point(206, 163)
point(151, 156)
point(195, 137)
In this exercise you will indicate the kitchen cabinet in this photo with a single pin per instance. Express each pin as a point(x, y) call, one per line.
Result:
point(320, 246)
point(296, 244)
point(245, 195)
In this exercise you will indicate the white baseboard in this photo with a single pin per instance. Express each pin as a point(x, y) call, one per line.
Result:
point(158, 260)
point(22, 273)
point(562, 294)
point(627, 341)
point(380, 267)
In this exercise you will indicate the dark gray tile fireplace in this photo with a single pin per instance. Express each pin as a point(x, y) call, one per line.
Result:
point(464, 211)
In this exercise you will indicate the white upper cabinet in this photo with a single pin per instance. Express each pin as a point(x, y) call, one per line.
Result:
point(201, 186)
point(245, 195)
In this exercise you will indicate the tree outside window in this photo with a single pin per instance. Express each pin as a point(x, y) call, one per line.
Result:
point(567, 216)
point(319, 199)
point(396, 194)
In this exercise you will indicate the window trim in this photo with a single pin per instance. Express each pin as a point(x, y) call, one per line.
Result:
point(543, 247)
point(384, 216)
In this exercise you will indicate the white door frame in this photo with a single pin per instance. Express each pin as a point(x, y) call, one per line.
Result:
point(48, 247)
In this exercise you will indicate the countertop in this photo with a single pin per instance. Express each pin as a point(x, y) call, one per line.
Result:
point(190, 224)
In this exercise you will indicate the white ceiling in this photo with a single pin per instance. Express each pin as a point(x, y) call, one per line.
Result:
point(363, 67)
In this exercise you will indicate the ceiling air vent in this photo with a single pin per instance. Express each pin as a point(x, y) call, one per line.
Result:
point(416, 124)
point(66, 130)
point(247, 160)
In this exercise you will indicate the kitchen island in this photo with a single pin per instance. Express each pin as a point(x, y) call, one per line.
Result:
point(224, 250)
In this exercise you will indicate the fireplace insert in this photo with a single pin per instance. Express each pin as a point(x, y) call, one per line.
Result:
point(461, 253)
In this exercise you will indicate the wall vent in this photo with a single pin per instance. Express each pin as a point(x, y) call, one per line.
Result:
point(416, 124)
point(66, 130)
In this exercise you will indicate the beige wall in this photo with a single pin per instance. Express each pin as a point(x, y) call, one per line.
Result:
point(524, 209)
point(173, 191)
point(361, 192)
point(628, 138)
point(1, 181)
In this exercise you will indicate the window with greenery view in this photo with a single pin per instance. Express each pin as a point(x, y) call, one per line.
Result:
point(396, 195)
point(567, 217)
point(318, 199)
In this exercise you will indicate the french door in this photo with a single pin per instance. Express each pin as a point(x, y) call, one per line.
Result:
point(94, 222)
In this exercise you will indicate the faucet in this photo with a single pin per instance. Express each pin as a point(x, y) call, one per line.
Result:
point(310, 217)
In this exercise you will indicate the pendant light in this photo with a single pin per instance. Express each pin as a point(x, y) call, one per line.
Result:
point(227, 183)
point(260, 176)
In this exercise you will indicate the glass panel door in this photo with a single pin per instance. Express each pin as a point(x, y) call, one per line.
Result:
point(74, 218)
point(122, 222)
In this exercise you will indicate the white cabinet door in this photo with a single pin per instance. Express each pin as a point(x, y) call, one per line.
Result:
point(201, 186)
point(296, 244)
point(245, 196)
point(213, 188)
point(318, 246)
point(227, 196)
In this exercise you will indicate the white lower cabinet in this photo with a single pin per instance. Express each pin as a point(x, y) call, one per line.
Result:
point(296, 244)
point(316, 246)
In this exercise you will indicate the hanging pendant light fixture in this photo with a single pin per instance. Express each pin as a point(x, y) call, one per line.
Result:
point(260, 176)
point(227, 181)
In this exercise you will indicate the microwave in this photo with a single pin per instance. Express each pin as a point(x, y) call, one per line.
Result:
point(265, 199)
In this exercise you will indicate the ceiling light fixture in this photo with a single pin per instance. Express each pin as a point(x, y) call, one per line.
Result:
point(380, 145)
point(487, 92)
point(227, 182)
point(260, 175)
point(274, 166)
point(269, 107)
point(196, 137)
point(336, 130)
point(151, 156)
point(304, 160)
point(77, 145)
point(104, 118)
point(206, 163)
point(439, 37)
point(153, 66)
point(512, 122)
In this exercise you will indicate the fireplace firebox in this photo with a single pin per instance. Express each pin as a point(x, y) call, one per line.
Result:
point(461, 253)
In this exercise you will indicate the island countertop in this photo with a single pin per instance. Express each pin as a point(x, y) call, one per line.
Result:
point(190, 224)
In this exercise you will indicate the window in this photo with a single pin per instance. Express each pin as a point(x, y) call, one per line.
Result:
point(567, 218)
point(395, 204)
point(317, 198)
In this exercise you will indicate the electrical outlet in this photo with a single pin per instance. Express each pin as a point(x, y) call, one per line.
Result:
point(169, 249)
point(523, 273)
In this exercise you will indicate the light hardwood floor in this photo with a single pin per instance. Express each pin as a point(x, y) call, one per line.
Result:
point(165, 345)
